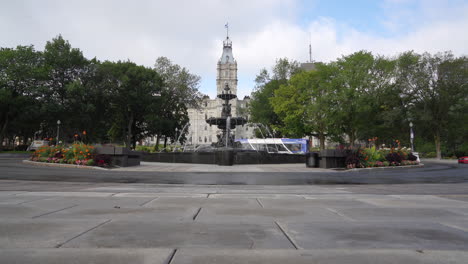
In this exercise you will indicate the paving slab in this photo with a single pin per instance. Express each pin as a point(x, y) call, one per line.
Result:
point(398, 214)
point(376, 235)
point(160, 213)
point(41, 233)
point(463, 198)
point(24, 211)
point(13, 199)
point(191, 256)
point(90, 202)
point(205, 202)
point(221, 214)
point(67, 194)
point(85, 256)
point(188, 194)
point(148, 234)
point(259, 196)
point(307, 203)
point(4, 194)
point(414, 201)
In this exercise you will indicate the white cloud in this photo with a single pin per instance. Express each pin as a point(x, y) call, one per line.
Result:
point(191, 32)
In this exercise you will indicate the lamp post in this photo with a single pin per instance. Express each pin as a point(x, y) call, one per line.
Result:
point(411, 136)
point(58, 131)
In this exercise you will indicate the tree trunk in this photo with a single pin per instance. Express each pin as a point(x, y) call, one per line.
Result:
point(351, 139)
point(129, 131)
point(3, 131)
point(322, 141)
point(437, 145)
point(165, 142)
point(156, 146)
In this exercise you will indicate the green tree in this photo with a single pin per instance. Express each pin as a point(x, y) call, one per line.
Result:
point(260, 108)
point(21, 76)
point(440, 94)
point(180, 91)
point(358, 79)
point(131, 91)
point(65, 65)
point(302, 104)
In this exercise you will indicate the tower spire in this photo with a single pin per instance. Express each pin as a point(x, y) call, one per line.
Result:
point(227, 29)
point(310, 47)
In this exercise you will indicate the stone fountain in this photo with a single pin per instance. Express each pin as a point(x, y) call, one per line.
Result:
point(225, 145)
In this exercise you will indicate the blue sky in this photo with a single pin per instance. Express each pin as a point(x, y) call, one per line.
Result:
point(190, 33)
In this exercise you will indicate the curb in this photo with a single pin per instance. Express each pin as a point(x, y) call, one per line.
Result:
point(45, 164)
point(420, 165)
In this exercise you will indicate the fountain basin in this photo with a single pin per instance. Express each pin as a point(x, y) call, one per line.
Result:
point(238, 157)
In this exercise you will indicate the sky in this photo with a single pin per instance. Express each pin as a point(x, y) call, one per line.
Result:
point(190, 33)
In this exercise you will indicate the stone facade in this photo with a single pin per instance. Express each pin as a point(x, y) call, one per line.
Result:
point(199, 131)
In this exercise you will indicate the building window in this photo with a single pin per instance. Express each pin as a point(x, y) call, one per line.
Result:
point(199, 139)
point(205, 139)
point(206, 127)
point(210, 138)
point(206, 117)
point(206, 104)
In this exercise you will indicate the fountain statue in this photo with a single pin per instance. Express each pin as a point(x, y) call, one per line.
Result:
point(226, 122)
point(226, 144)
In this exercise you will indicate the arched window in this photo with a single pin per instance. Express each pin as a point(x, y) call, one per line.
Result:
point(205, 139)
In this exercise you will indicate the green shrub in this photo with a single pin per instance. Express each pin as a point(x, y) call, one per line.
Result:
point(373, 155)
point(144, 148)
point(90, 162)
point(462, 150)
point(430, 155)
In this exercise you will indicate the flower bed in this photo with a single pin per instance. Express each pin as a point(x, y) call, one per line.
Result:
point(77, 154)
point(372, 157)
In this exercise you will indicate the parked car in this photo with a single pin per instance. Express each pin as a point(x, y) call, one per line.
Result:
point(463, 159)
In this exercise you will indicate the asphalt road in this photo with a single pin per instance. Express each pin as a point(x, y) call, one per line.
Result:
point(432, 172)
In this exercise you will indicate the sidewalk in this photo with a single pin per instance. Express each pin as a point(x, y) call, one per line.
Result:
point(45, 222)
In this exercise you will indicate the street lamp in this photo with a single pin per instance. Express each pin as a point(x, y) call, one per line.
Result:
point(58, 131)
point(411, 135)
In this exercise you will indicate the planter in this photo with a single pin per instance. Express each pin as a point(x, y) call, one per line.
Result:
point(332, 158)
point(121, 156)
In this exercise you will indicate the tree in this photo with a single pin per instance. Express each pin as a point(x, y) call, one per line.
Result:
point(65, 65)
point(21, 76)
point(180, 91)
point(131, 92)
point(302, 104)
point(260, 108)
point(353, 107)
point(440, 93)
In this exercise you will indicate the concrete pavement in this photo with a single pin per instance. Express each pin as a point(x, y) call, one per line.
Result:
point(78, 222)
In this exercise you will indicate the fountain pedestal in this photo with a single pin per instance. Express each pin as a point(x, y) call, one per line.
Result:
point(225, 152)
point(225, 156)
